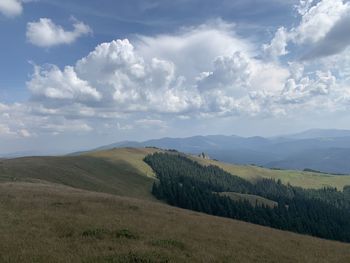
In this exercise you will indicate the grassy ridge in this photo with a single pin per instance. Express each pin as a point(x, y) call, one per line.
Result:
point(295, 178)
point(122, 171)
point(61, 224)
point(132, 156)
point(84, 172)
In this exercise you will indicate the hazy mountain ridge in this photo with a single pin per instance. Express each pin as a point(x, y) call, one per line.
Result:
point(307, 149)
point(319, 133)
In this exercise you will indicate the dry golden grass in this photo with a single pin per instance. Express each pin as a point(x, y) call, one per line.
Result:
point(133, 156)
point(54, 223)
point(84, 172)
point(295, 178)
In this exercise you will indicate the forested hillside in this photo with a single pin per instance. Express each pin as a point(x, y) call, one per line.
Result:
point(187, 184)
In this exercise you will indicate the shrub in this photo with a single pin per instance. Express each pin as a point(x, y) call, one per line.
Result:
point(125, 233)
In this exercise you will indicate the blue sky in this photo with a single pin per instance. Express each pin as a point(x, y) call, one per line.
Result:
point(78, 74)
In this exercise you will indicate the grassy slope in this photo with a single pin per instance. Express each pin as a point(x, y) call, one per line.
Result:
point(61, 224)
point(132, 156)
point(84, 172)
point(296, 178)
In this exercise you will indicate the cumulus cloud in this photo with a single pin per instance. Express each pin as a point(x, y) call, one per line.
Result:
point(129, 82)
point(15, 120)
point(123, 78)
point(198, 46)
point(240, 85)
point(303, 6)
point(11, 8)
point(53, 84)
point(335, 41)
point(317, 20)
point(144, 82)
point(322, 30)
point(222, 88)
point(151, 83)
point(230, 72)
point(119, 77)
point(45, 33)
point(300, 90)
point(278, 45)
point(22, 120)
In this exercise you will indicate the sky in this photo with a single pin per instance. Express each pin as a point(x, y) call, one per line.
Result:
point(78, 74)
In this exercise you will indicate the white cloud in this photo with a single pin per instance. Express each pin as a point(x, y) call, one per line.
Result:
point(268, 77)
point(66, 126)
point(150, 84)
point(278, 45)
point(238, 84)
point(24, 121)
point(125, 127)
point(303, 6)
point(317, 20)
point(45, 33)
point(53, 84)
point(151, 124)
point(11, 8)
point(193, 49)
point(226, 84)
point(24, 133)
point(116, 77)
point(335, 41)
point(136, 86)
point(322, 30)
point(5, 130)
point(14, 119)
point(230, 72)
point(340, 64)
point(306, 88)
point(7, 122)
point(119, 77)
point(128, 82)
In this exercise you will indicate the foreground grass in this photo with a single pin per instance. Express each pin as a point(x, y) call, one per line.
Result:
point(295, 178)
point(54, 223)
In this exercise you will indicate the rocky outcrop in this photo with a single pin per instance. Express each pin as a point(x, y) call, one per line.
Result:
point(204, 156)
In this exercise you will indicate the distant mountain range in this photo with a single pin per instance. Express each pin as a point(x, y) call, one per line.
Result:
point(317, 149)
